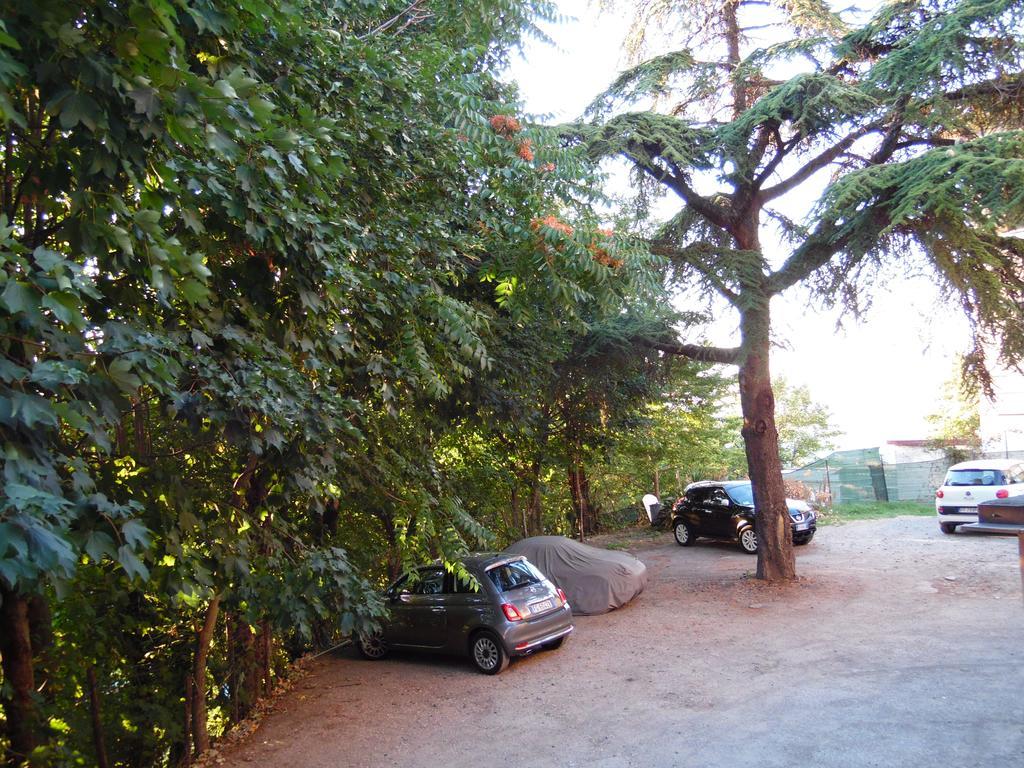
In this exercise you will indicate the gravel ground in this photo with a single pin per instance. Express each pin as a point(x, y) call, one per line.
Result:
point(899, 646)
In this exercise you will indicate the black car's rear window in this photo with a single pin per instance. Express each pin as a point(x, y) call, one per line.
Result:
point(514, 575)
point(975, 477)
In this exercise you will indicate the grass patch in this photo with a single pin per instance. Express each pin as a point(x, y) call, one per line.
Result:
point(874, 510)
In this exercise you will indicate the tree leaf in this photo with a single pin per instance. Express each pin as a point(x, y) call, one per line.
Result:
point(132, 565)
point(120, 372)
point(136, 534)
point(79, 108)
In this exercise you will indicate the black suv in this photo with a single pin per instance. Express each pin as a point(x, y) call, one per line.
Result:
point(725, 510)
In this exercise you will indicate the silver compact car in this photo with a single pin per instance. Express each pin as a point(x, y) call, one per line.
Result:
point(511, 610)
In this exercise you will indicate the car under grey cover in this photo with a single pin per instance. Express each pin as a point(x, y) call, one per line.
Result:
point(595, 580)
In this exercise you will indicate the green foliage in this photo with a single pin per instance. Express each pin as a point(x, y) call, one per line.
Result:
point(260, 262)
point(685, 437)
point(956, 424)
point(913, 123)
point(917, 116)
point(804, 426)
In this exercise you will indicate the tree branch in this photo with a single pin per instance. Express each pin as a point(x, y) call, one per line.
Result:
point(781, 150)
point(713, 213)
point(1004, 86)
point(720, 355)
point(816, 163)
point(930, 141)
point(415, 13)
point(665, 248)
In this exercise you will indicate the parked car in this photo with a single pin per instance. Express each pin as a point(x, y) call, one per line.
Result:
point(595, 580)
point(725, 510)
point(511, 610)
point(970, 482)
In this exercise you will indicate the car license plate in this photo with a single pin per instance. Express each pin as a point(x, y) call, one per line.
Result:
point(543, 605)
point(968, 510)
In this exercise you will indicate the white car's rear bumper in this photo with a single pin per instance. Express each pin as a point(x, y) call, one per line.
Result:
point(956, 514)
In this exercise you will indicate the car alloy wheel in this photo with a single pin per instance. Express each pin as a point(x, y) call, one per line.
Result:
point(748, 540)
point(372, 646)
point(488, 655)
point(684, 534)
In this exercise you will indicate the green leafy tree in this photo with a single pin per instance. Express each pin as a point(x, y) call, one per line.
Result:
point(248, 249)
point(956, 425)
point(683, 436)
point(911, 121)
point(805, 426)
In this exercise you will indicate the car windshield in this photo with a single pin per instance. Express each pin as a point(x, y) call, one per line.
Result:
point(514, 575)
point(742, 494)
point(975, 477)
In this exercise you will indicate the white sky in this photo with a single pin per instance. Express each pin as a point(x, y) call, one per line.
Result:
point(880, 376)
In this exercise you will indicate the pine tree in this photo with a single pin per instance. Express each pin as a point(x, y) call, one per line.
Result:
point(913, 120)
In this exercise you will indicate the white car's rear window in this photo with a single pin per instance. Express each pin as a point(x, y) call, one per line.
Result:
point(975, 477)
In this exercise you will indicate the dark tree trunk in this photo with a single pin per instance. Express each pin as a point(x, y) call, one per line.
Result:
point(535, 507)
point(40, 628)
point(16, 650)
point(586, 522)
point(201, 736)
point(515, 513)
point(730, 17)
point(267, 656)
point(190, 694)
point(97, 720)
point(246, 670)
point(775, 561)
point(579, 511)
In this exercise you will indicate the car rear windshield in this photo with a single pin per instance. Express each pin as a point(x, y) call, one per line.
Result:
point(975, 477)
point(514, 575)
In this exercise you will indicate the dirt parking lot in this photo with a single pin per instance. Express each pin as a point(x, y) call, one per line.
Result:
point(899, 647)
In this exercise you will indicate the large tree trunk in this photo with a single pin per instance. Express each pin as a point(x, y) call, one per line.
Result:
point(96, 718)
point(586, 522)
point(730, 17)
point(775, 561)
point(16, 651)
point(535, 506)
point(201, 735)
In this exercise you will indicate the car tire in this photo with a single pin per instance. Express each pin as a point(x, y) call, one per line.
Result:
point(684, 533)
point(802, 542)
point(487, 653)
point(372, 647)
point(748, 540)
point(948, 527)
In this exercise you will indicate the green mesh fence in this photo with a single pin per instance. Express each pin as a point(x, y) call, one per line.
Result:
point(862, 475)
point(845, 475)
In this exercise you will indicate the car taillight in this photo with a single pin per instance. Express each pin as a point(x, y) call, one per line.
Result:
point(1002, 493)
point(939, 494)
point(561, 594)
point(511, 613)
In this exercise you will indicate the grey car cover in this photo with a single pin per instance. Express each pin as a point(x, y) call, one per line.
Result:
point(595, 580)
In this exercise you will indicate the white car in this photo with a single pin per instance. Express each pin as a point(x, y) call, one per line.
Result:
point(970, 482)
